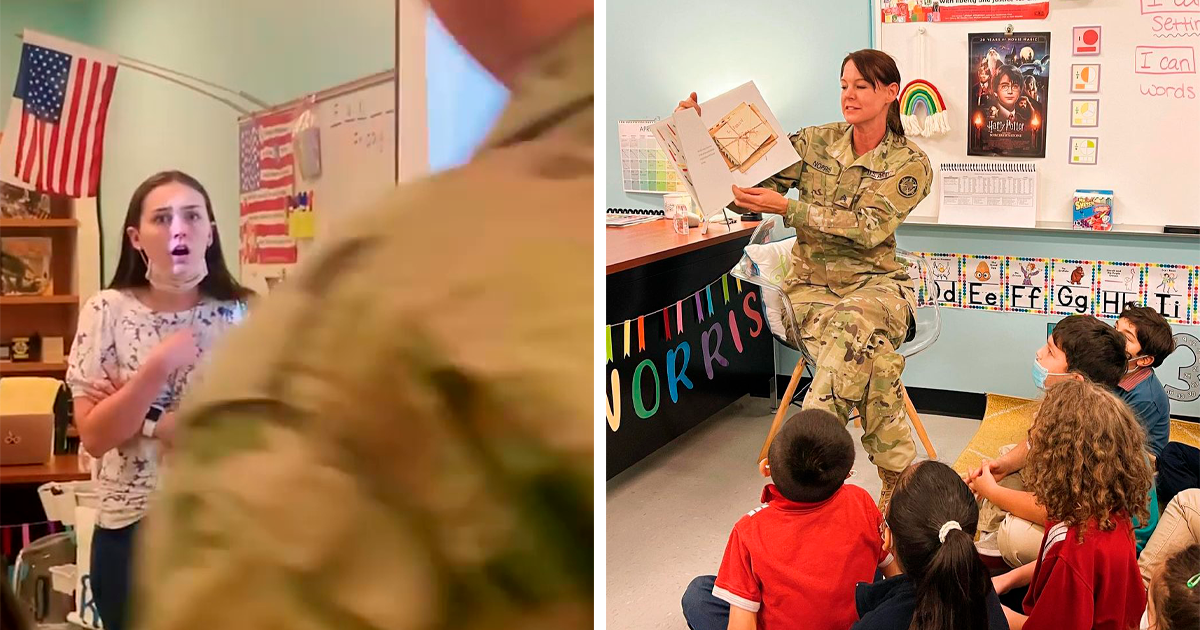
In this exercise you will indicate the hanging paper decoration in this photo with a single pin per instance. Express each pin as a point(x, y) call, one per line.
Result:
point(627, 337)
point(641, 334)
point(608, 343)
point(725, 288)
point(667, 322)
point(919, 95)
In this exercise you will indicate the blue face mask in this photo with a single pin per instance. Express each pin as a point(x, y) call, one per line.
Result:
point(1040, 373)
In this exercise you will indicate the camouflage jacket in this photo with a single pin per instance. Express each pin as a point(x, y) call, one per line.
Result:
point(400, 435)
point(849, 209)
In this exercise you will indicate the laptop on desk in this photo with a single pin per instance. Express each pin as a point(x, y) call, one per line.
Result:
point(27, 420)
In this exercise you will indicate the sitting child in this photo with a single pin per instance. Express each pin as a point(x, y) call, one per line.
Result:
point(1087, 468)
point(1178, 527)
point(1173, 602)
point(944, 585)
point(794, 561)
point(1081, 348)
point(1148, 342)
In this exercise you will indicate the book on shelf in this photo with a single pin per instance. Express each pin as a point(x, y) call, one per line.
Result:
point(25, 265)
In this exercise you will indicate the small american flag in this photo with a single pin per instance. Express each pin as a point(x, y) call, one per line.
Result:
point(267, 176)
point(60, 106)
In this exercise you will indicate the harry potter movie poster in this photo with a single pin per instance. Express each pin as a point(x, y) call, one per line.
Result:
point(1009, 77)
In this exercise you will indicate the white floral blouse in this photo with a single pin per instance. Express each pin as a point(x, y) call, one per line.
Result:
point(116, 333)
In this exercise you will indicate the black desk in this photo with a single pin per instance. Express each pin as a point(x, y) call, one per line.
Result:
point(649, 267)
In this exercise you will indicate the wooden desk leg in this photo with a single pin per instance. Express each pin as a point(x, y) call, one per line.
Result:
point(784, 403)
point(916, 421)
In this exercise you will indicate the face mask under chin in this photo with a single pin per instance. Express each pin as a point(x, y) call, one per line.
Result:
point(169, 281)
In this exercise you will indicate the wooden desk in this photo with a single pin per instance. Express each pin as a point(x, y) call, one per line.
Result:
point(59, 468)
point(628, 247)
point(681, 378)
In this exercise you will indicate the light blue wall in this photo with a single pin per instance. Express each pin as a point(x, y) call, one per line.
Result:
point(276, 50)
point(658, 52)
point(65, 18)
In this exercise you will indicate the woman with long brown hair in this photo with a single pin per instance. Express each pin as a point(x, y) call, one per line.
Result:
point(853, 300)
point(138, 341)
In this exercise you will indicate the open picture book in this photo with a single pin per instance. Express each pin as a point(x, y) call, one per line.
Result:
point(737, 140)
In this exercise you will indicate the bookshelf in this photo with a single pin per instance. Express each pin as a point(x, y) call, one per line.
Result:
point(47, 316)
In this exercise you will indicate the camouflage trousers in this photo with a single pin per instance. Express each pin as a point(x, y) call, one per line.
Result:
point(852, 340)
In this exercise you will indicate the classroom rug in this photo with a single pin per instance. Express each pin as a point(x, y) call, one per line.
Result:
point(1006, 420)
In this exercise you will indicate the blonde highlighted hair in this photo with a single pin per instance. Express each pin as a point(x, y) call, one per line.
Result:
point(1087, 457)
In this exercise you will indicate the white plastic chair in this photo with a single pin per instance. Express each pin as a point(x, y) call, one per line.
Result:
point(768, 275)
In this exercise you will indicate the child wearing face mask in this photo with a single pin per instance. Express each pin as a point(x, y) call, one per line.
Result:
point(1148, 342)
point(133, 356)
point(1011, 522)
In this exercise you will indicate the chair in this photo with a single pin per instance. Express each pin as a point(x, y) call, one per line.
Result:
point(768, 271)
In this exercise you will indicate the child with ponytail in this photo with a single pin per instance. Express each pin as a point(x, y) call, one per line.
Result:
point(930, 528)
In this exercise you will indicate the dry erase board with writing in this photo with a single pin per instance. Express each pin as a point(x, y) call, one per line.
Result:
point(356, 125)
point(1149, 104)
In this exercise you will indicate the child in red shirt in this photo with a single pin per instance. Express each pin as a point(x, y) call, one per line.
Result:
point(794, 561)
point(1087, 466)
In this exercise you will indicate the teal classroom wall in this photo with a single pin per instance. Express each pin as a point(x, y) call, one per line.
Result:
point(276, 50)
point(658, 52)
point(66, 18)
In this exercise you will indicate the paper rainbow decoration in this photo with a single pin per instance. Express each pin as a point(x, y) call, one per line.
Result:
point(921, 93)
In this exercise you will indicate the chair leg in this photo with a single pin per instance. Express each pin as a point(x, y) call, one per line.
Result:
point(916, 421)
point(784, 404)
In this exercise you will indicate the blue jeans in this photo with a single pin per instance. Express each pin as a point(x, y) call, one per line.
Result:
point(702, 609)
point(112, 562)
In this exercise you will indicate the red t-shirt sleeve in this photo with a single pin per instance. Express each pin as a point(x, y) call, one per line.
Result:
point(736, 582)
point(1064, 601)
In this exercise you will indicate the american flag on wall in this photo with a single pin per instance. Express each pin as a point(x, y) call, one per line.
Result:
point(268, 178)
point(59, 109)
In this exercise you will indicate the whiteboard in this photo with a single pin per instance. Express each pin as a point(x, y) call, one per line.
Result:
point(358, 150)
point(1147, 144)
point(357, 123)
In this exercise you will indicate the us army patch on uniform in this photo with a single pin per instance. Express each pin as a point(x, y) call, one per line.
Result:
point(880, 174)
point(908, 186)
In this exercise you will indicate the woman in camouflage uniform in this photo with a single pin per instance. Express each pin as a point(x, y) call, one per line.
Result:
point(854, 302)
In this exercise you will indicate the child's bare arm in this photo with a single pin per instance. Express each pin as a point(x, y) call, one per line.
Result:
point(1016, 621)
point(1018, 577)
point(742, 619)
point(1018, 503)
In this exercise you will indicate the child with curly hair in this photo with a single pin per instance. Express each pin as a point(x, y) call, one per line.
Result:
point(1086, 466)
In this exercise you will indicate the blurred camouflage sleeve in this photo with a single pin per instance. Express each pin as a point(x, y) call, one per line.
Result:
point(256, 529)
point(881, 206)
point(262, 526)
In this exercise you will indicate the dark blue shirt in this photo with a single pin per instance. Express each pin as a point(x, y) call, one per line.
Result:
point(1144, 393)
point(889, 605)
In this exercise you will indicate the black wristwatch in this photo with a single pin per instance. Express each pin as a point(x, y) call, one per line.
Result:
point(151, 422)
